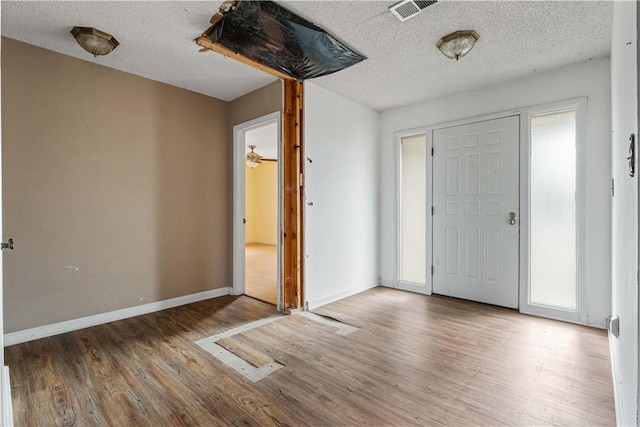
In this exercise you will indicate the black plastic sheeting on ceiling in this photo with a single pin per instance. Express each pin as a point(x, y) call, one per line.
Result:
point(272, 36)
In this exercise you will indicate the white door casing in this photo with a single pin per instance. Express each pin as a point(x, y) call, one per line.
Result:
point(475, 189)
point(239, 202)
point(6, 414)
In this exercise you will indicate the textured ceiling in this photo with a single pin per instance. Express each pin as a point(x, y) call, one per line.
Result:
point(156, 40)
point(517, 38)
point(404, 66)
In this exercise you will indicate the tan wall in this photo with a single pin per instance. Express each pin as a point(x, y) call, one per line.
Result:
point(261, 203)
point(116, 189)
point(258, 103)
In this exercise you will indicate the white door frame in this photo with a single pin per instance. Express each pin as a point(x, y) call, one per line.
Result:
point(579, 315)
point(6, 414)
point(239, 201)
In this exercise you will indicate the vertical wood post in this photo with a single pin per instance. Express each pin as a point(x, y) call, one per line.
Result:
point(293, 195)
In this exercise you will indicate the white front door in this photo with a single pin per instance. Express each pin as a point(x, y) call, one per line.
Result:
point(475, 218)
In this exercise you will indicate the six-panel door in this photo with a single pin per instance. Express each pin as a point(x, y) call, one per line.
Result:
point(475, 221)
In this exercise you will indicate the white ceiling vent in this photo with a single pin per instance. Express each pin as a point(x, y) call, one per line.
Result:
point(407, 9)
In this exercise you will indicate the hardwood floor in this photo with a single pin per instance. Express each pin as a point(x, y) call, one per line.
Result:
point(416, 360)
point(261, 263)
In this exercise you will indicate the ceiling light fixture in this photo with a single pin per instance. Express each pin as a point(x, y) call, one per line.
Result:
point(253, 159)
point(94, 41)
point(457, 44)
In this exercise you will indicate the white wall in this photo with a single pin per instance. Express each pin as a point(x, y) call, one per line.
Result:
point(341, 228)
point(590, 79)
point(624, 350)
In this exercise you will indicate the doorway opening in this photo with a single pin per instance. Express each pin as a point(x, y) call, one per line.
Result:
point(257, 269)
point(261, 214)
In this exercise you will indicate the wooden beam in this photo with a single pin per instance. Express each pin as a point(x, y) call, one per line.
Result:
point(293, 165)
point(207, 44)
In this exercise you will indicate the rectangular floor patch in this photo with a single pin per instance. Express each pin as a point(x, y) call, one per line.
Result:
point(236, 362)
point(244, 367)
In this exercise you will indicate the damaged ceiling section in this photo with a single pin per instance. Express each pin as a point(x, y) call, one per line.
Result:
point(276, 40)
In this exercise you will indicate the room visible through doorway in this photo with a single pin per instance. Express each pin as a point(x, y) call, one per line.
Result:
point(261, 214)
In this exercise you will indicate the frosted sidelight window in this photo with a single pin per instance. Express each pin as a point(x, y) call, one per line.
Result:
point(413, 209)
point(553, 209)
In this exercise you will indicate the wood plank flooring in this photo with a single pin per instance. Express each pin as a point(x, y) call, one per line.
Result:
point(416, 360)
point(261, 262)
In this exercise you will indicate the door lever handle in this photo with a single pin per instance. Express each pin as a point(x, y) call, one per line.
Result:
point(8, 245)
point(512, 218)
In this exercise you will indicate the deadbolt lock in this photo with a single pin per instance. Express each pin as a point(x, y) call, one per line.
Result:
point(512, 218)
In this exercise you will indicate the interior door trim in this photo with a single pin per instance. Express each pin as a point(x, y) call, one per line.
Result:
point(239, 201)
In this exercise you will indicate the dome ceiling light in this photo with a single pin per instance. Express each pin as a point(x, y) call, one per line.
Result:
point(94, 41)
point(457, 44)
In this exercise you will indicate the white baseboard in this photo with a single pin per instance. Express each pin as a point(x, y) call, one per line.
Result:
point(18, 337)
point(7, 408)
point(313, 304)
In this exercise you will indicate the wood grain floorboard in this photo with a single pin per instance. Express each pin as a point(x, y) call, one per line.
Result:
point(237, 346)
point(261, 272)
point(416, 360)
